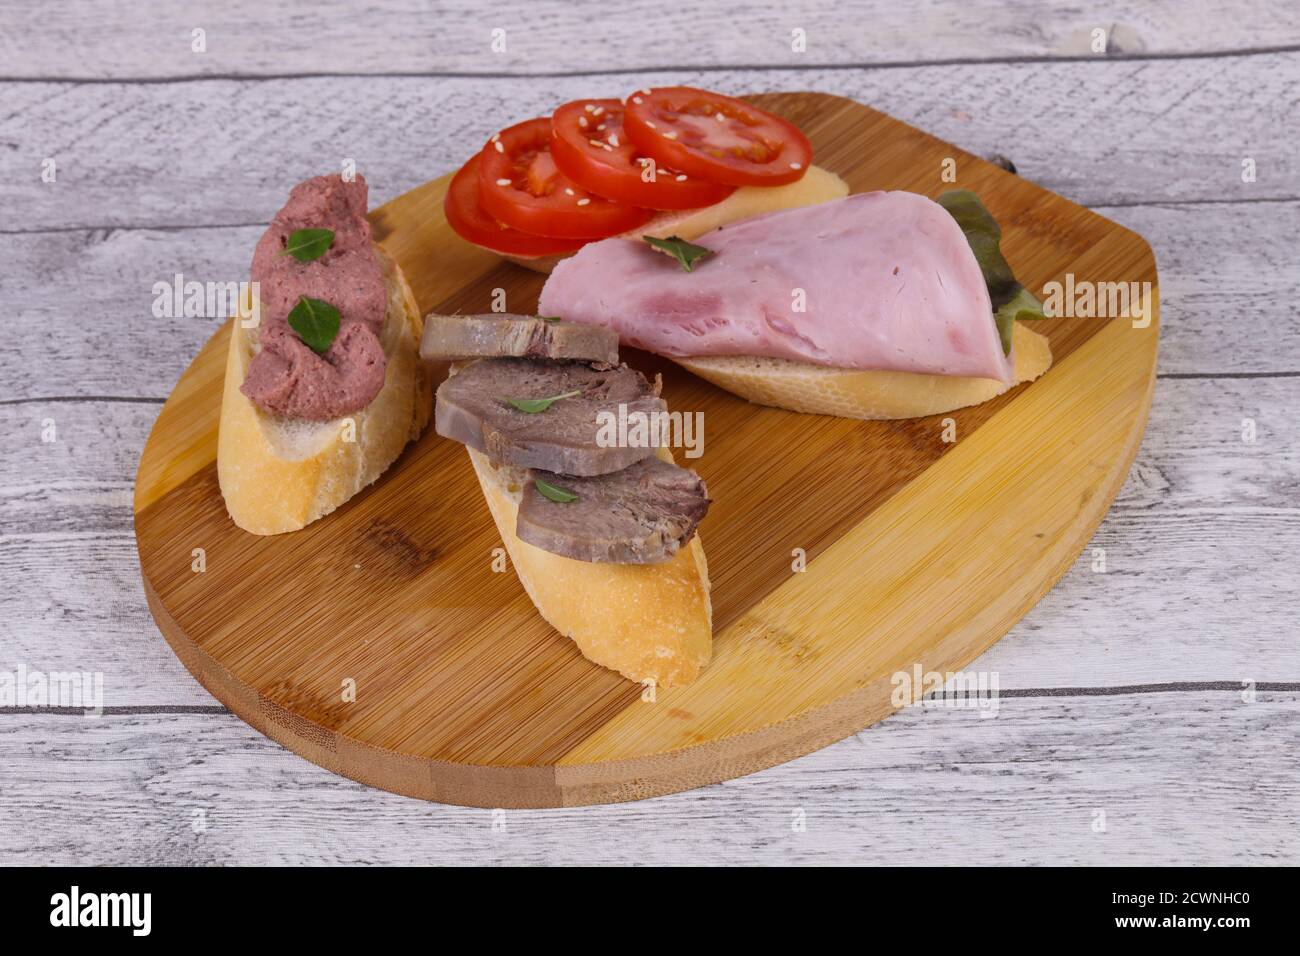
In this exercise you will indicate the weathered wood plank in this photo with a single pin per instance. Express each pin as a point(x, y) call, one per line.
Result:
point(1182, 599)
point(1198, 553)
point(1192, 457)
point(225, 151)
point(1030, 786)
point(155, 39)
point(80, 323)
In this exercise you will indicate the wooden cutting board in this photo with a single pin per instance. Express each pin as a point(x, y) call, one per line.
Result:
point(919, 551)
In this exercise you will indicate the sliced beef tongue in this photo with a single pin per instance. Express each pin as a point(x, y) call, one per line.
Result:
point(474, 408)
point(455, 337)
point(641, 515)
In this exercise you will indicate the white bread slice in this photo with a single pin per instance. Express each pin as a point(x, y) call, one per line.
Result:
point(279, 475)
point(817, 186)
point(848, 393)
point(649, 622)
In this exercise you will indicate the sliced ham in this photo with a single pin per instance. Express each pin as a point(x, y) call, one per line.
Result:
point(888, 282)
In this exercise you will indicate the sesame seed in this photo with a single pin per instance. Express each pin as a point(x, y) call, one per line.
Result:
point(595, 142)
point(500, 148)
point(719, 117)
point(600, 126)
point(613, 140)
point(583, 202)
point(597, 111)
point(568, 191)
point(651, 125)
point(582, 121)
point(503, 182)
point(681, 177)
point(646, 91)
point(670, 135)
point(588, 107)
point(796, 166)
point(637, 100)
point(495, 137)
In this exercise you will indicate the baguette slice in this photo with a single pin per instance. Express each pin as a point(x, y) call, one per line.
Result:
point(649, 622)
point(817, 186)
point(850, 393)
point(280, 475)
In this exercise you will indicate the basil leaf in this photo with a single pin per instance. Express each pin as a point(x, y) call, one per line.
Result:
point(554, 492)
point(535, 405)
point(1011, 301)
point(687, 253)
point(308, 244)
point(316, 322)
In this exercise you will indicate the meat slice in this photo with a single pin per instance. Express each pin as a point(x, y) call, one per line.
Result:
point(455, 337)
point(643, 514)
point(474, 408)
point(882, 280)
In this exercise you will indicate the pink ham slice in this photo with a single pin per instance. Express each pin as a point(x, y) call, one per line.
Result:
point(888, 280)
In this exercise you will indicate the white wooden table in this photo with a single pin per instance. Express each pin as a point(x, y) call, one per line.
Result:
point(1123, 693)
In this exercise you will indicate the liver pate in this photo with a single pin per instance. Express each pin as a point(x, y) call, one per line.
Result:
point(286, 377)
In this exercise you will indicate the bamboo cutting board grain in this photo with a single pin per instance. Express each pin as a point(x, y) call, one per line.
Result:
point(919, 551)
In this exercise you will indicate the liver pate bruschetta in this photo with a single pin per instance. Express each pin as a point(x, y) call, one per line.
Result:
point(324, 386)
point(880, 305)
point(602, 537)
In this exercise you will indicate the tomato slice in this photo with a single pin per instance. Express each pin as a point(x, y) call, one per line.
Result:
point(716, 137)
point(520, 184)
point(591, 148)
point(471, 221)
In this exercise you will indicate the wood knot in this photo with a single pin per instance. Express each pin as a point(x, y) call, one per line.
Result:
point(395, 548)
point(997, 159)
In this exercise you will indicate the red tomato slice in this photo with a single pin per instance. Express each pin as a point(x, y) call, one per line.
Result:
point(591, 148)
point(468, 218)
point(716, 137)
point(520, 185)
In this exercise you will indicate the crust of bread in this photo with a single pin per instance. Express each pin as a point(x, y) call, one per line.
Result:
point(649, 622)
point(279, 476)
point(848, 393)
point(817, 186)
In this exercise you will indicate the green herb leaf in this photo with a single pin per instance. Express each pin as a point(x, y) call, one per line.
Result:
point(687, 253)
point(308, 244)
point(316, 322)
point(1024, 307)
point(554, 492)
point(535, 405)
point(549, 318)
point(1010, 299)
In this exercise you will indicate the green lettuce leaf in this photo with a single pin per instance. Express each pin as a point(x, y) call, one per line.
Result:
point(1011, 300)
